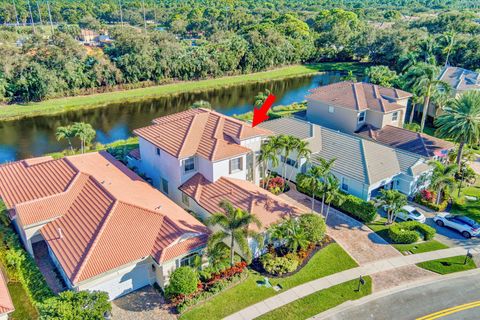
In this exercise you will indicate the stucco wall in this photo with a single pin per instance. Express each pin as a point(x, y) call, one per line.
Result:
point(341, 119)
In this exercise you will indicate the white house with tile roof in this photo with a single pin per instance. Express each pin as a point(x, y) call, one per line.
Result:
point(105, 228)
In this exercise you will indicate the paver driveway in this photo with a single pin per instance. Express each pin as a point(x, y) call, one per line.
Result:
point(143, 304)
point(358, 240)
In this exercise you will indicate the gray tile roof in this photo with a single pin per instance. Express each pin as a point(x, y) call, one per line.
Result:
point(461, 79)
point(359, 159)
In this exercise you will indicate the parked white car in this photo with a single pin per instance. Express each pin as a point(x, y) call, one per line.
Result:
point(410, 213)
point(466, 226)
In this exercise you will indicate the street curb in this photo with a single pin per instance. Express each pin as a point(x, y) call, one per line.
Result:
point(355, 303)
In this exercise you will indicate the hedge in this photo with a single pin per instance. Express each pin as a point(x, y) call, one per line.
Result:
point(353, 206)
point(432, 205)
point(408, 232)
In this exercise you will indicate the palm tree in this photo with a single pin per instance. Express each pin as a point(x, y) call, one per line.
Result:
point(234, 223)
point(392, 201)
point(325, 169)
point(85, 132)
point(66, 133)
point(460, 121)
point(303, 152)
point(268, 155)
point(426, 47)
point(286, 144)
point(443, 177)
point(424, 78)
point(291, 234)
point(312, 182)
point(441, 98)
point(414, 100)
point(260, 98)
point(350, 76)
point(449, 38)
point(333, 193)
point(408, 60)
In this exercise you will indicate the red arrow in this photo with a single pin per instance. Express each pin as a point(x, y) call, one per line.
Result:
point(260, 115)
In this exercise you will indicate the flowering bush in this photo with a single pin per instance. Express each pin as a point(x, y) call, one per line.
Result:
point(427, 195)
point(275, 185)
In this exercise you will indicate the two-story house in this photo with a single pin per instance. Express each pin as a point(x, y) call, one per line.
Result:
point(200, 157)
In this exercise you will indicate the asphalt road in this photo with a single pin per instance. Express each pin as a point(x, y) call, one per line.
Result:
point(450, 299)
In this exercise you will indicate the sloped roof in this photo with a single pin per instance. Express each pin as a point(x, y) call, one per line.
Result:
point(461, 79)
point(359, 96)
point(202, 132)
point(415, 142)
point(268, 208)
point(6, 304)
point(108, 217)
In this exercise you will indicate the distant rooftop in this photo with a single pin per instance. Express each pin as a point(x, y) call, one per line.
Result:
point(461, 79)
point(359, 96)
point(6, 304)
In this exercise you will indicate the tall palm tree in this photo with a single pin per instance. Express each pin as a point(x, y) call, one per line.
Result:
point(268, 155)
point(441, 98)
point(85, 132)
point(392, 201)
point(460, 121)
point(333, 193)
point(303, 152)
point(408, 60)
point(234, 223)
point(325, 169)
point(291, 233)
point(66, 133)
point(312, 182)
point(443, 177)
point(414, 101)
point(426, 48)
point(449, 38)
point(286, 145)
point(424, 78)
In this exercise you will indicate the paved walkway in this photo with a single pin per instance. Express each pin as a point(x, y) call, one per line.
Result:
point(47, 268)
point(361, 243)
point(308, 288)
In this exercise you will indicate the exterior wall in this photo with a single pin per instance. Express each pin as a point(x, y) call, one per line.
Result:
point(387, 119)
point(59, 268)
point(4, 316)
point(255, 145)
point(222, 169)
point(341, 119)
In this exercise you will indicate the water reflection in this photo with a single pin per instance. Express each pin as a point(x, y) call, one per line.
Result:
point(36, 136)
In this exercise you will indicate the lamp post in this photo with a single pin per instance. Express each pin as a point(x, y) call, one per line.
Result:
point(467, 256)
point(361, 282)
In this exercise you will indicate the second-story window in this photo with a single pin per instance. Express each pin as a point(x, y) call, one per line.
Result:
point(158, 151)
point(361, 117)
point(189, 164)
point(395, 116)
point(236, 165)
point(331, 109)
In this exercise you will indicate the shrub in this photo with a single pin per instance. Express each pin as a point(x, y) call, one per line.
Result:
point(424, 195)
point(76, 305)
point(279, 265)
point(408, 232)
point(183, 281)
point(314, 226)
point(353, 206)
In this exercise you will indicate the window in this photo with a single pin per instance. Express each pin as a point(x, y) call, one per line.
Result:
point(158, 151)
point(344, 184)
point(189, 261)
point(165, 186)
point(185, 199)
point(361, 117)
point(189, 164)
point(395, 116)
point(236, 165)
point(331, 109)
point(290, 162)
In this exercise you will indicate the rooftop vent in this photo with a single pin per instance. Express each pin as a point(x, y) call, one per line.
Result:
point(60, 234)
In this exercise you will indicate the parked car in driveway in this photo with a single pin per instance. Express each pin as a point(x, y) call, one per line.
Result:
point(409, 213)
point(466, 226)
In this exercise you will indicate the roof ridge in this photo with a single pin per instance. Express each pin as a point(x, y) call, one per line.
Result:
point(199, 189)
point(365, 159)
point(142, 208)
point(187, 134)
point(95, 241)
point(216, 137)
point(355, 95)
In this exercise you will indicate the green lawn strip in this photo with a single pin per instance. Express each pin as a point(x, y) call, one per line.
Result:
point(327, 261)
point(59, 105)
point(465, 207)
point(379, 227)
point(320, 301)
point(23, 306)
point(448, 265)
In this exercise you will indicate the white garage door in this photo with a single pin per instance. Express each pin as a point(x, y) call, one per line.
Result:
point(124, 282)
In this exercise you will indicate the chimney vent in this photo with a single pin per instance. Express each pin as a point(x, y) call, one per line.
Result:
point(60, 234)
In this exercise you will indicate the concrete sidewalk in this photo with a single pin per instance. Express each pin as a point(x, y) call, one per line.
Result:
point(308, 288)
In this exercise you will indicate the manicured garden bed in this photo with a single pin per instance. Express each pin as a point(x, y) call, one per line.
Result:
point(379, 227)
point(330, 260)
point(320, 301)
point(448, 265)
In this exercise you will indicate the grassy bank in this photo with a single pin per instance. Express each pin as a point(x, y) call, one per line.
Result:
point(320, 301)
point(327, 261)
point(16, 111)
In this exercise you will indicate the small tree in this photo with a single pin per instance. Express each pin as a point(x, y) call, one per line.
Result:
point(291, 234)
point(443, 177)
point(201, 104)
point(312, 182)
point(76, 305)
point(333, 193)
point(85, 132)
point(392, 201)
point(314, 227)
point(66, 133)
point(184, 280)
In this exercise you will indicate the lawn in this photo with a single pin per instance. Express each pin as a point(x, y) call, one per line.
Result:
point(382, 230)
point(23, 306)
point(465, 207)
point(448, 265)
point(330, 260)
point(320, 301)
point(60, 105)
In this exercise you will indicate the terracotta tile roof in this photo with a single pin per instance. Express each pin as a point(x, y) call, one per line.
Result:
point(359, 96)
point(6, 304)
point(202, 132)
point(107, 217)
point(404, 139)
point(268, 208)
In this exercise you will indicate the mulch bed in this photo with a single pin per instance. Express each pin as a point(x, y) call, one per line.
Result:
point(256, 265)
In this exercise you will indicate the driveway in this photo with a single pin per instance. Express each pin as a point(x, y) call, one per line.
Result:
point(144, 304)
point(358, 240)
